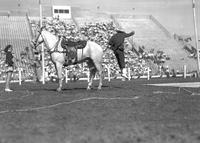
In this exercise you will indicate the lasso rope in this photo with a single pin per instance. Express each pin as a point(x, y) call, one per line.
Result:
point(78, 100)
point(191, 93)
point(188, 91)
point(67, 103)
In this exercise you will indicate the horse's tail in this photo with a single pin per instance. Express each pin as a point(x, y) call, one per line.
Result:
point(108, 47)
point(104, 50)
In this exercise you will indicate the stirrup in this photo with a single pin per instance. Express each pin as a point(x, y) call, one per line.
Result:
point(124, 75)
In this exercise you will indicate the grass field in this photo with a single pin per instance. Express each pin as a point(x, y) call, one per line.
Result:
point(122, 112)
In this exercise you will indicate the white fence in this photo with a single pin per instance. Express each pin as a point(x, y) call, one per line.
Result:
point(108, 77)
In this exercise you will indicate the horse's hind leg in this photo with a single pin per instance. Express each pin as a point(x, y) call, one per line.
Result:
point(92, 75)
point(93, 70)
point(99, 68)
point(59, 73)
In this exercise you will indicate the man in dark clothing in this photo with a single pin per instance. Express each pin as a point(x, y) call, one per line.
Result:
point(116, 43)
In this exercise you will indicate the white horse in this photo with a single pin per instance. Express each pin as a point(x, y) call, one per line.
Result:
point(92, 53)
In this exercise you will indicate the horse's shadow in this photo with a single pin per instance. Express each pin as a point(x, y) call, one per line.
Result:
point(78, 88)
point(83, 88)
point(74, 88)
point(54, 89)
point(64, 89)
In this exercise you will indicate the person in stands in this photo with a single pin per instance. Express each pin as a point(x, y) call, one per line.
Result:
point(116, 43)
point(9, 65)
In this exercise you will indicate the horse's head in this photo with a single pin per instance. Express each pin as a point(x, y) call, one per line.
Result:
point(45, 36)
point(38, 39)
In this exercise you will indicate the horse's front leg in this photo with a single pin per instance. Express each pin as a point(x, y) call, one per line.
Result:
point(59, 73)
point(99, 68)
point(91, 77)
point(60, 85)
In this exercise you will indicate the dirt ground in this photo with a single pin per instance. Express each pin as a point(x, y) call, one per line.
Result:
point(122, 112)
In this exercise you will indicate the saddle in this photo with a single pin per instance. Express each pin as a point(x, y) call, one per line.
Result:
point(68, 43)
point(71, 50)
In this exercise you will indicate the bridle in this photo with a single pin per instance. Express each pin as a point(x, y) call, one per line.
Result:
point(35, 42)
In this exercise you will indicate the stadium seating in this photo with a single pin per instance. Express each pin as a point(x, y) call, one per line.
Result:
point(151, 46)
point(150, 35)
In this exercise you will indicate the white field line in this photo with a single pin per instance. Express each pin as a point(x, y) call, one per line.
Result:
point(185, 84)
point(182, 86)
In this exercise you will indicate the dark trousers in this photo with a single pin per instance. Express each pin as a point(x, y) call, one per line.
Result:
point(119, 53)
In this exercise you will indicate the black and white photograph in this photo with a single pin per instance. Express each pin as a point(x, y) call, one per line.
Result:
point(99, 71)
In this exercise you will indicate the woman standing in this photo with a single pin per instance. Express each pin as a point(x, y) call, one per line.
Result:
point(10, 66)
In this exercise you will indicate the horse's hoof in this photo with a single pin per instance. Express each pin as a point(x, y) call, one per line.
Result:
point(58, 89)
point(99, 88)
point(88, 88)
